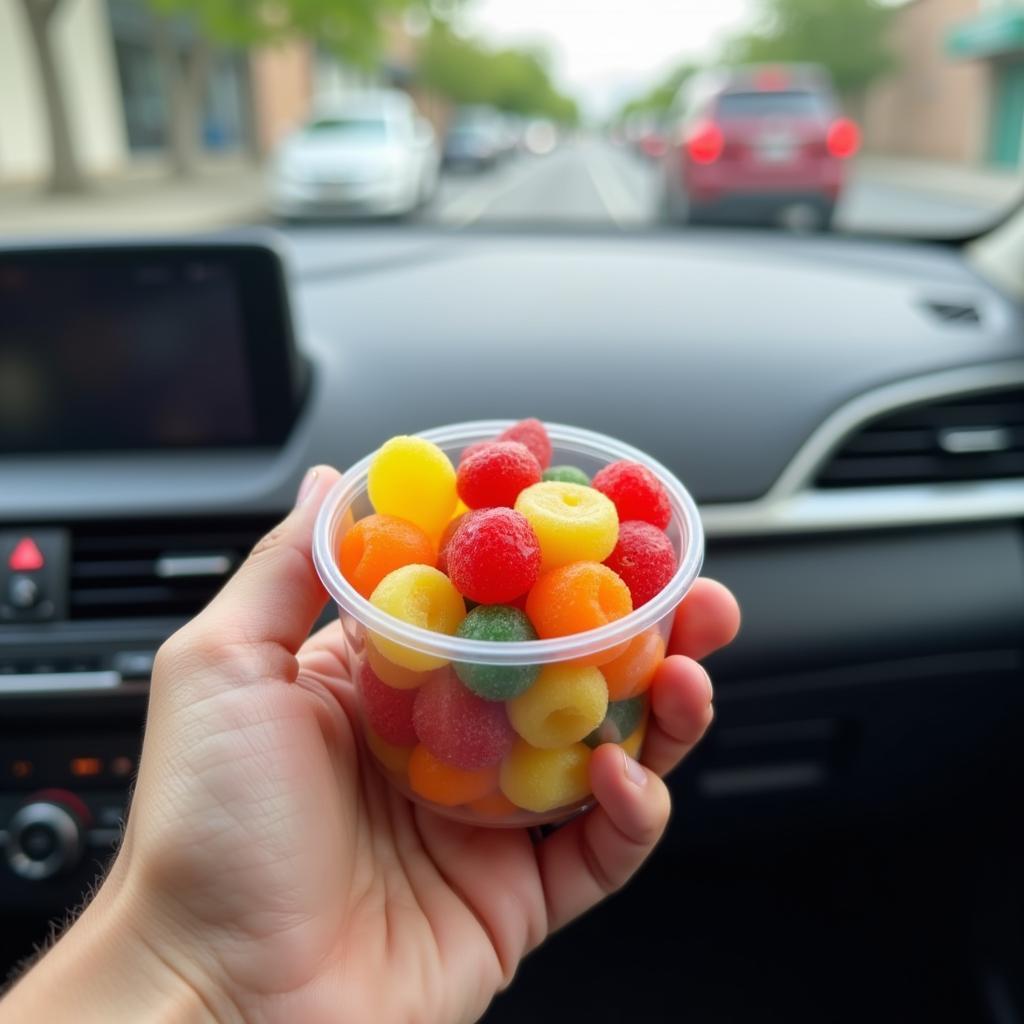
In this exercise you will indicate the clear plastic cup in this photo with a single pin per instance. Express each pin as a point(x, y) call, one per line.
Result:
point(529, 785)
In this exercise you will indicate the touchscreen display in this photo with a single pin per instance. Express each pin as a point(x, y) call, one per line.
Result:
point(134, 354)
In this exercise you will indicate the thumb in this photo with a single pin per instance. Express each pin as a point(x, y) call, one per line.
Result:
point(276, 595)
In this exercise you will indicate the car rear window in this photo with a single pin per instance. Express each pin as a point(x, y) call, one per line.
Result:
point(771, 103)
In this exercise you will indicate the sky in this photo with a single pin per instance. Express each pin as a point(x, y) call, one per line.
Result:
point(606, 51)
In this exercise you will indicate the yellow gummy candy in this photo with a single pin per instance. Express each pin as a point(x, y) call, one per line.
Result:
point(541, 780)
point(413, 479)
point(565, 704)
point(392, 674)
point(394, 759)
point(422, 596)
point(573, 523)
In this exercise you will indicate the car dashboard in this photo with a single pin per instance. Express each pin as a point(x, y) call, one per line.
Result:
point(848, 413)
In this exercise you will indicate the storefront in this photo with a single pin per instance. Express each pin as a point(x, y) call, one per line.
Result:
point(996, 37)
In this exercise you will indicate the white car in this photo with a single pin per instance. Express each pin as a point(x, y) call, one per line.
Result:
point(375, 156)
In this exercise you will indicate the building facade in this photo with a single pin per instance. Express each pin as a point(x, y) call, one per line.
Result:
point(957, 93)
point(117, 97)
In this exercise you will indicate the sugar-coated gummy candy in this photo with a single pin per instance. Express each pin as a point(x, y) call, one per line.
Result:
point(496, 623)
point(446, 538)
point(445, 784)
point(458, 727)
point(379, 544)
point(577, 597)
point(388, 711)
point(636, 492)
point(622, 720)
point(566, 475)
point(494, 805)
point(566, 704)
point(394, 675)
point(472, 449)
point(495, 473)
point(494, 556)
point(394, 758)
point(644, 558)
point(541, 780)
point(534, 435)
point(632, 672)
point(421, 596)
point(413, 479)
point(573, 523)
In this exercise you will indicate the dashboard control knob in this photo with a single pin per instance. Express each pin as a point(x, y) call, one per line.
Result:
point(43, 839)
point(22, 592)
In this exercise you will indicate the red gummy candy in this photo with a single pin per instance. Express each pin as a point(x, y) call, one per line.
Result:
point(458, 727)
point(388, 711)
point(446, 538)
point(534, 435)
point(644, 559)
point(472, 449)
point(494, 556)
point(495, 473)
point(635, 492)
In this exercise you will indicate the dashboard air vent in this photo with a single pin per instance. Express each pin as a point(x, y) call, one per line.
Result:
point(158, 567)
point(966, 437)
point(962, 313)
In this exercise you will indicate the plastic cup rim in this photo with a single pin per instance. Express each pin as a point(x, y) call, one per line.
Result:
point(529, 652)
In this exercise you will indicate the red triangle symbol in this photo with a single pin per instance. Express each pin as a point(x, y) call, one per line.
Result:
point(26, 556)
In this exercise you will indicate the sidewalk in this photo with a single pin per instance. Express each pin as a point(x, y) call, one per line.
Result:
point(985, 185)
point(144, 201)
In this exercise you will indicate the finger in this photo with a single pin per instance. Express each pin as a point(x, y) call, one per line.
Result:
point(597, 853)
point(276, 595)
point(708, 618)
point(681, 712)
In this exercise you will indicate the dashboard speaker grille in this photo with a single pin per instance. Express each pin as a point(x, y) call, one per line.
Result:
point(966, 437)
point(157, 568)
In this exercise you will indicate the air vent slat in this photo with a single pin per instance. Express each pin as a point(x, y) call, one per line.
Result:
point(963, 438)
point(116, 567)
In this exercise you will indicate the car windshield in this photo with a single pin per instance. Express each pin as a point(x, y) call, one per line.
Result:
point(902, 117)
point(363, 129)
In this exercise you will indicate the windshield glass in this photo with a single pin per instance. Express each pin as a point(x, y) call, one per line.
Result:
point(902, 117)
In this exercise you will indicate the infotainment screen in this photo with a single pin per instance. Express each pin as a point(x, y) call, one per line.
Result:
point(144, 347)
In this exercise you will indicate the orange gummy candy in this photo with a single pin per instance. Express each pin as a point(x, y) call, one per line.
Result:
point(494, 805)
point(442, 784)
point(630, 674)
point(377, 545)
point(576, 597)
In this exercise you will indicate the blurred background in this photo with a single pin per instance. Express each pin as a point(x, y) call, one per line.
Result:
point(154, 115)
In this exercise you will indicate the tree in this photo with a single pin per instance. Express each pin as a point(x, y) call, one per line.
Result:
point(466, 71)
point(846, 36)
point(189, 31)
point(660, 96)
point(65, 173)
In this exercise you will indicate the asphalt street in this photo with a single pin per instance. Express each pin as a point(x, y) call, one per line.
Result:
point(590, 181)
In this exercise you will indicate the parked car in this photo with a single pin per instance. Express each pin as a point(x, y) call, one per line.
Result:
point(374, 156)
point(476, 140)
point(753, 143)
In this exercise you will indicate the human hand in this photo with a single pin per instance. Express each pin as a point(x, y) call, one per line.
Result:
point(269, 873)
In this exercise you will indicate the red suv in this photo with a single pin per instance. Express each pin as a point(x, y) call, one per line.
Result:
point(751, 144)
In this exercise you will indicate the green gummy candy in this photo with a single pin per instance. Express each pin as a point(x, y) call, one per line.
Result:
point(566, 475)
point(496, 623)
point(621, 721)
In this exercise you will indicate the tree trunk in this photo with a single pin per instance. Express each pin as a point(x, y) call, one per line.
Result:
point(65, 174)
point(186, 74)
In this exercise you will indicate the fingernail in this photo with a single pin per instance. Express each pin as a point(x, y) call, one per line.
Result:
point(707, 682)
point(307, 485)
point(635, 772)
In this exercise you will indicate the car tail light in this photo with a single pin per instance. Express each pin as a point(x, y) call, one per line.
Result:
point(843, 138)
point(705, 143)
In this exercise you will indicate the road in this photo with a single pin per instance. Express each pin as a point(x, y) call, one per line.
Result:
point(592, 182)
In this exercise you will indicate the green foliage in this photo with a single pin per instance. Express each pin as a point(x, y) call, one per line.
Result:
point(846, 36)
point(352, 28)
point(658, 99)
point(468, 72)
